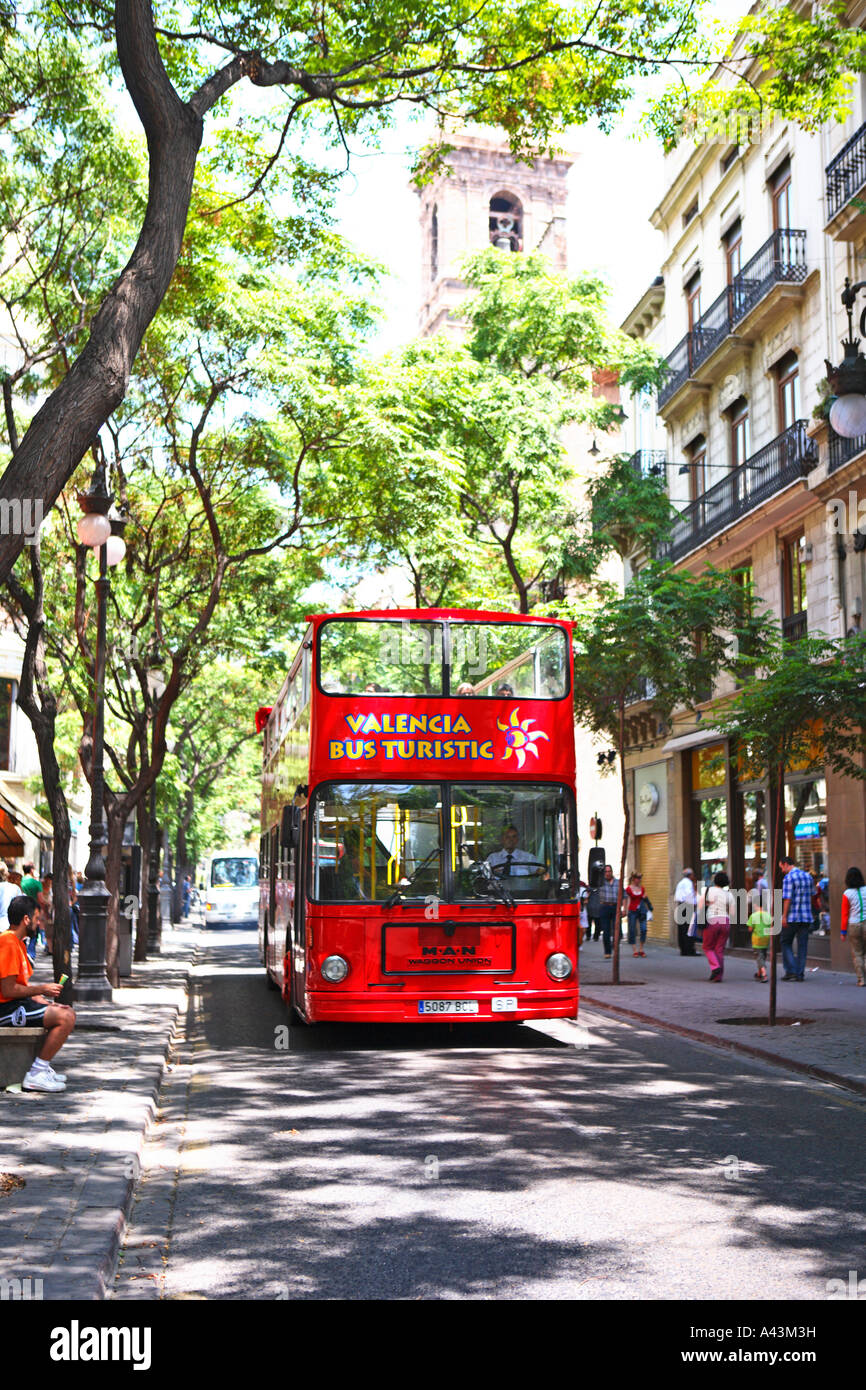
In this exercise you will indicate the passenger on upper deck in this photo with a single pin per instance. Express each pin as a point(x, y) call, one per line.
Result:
point(505, 691)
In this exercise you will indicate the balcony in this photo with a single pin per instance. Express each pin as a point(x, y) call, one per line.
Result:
point(795, 627)
point(643, 689)
point(649, 463)
point(842, 450)
point(845, 175)
point(780, 261)
point(788, 457)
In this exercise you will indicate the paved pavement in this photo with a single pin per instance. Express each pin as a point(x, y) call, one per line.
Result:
point(78, 1152)
point(611, 1160)
point(827, 1037)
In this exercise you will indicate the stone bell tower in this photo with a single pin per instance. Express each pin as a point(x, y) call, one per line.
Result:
point(486, 197)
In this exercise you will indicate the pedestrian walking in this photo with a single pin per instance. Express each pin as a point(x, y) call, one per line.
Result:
point(593, 912)
point(686, 901)
point(760, 924)
point(32, 887)
point(798, 892)
point(608, 894)
point(187, 894)
point(46, 904)
point(854, 920)
point(8, 891)
point(639, 906)
point(716, 907)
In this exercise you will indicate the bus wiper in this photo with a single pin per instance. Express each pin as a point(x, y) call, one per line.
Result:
point(486, 884)
point(399, 891)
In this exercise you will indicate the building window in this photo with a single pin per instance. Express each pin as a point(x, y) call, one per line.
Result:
point(506, 222)
point(794, 577)
point(696, 456)
point(788, 389)
point(690, 214)
point(693, 299)
point(434, 243)
point(780, 193)
point(709, 811)
point(739, 424)
point(730, 158)
point(732, 241)
point(744, 577)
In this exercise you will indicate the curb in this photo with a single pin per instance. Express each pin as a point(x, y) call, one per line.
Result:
point(733, 1045)
point(92, 1269)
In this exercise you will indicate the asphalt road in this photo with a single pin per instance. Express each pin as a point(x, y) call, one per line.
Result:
point(606, 1161)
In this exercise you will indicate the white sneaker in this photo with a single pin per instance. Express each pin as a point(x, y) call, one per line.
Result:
point(61, 1075)
point(45, 1080)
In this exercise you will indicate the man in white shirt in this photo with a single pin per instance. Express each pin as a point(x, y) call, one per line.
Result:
point(686, 900)
point(509, 861)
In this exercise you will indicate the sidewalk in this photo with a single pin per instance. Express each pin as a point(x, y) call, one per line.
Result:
point(672, 991)
point(78, 1151)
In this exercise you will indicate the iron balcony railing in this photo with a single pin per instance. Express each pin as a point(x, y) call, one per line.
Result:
point(795, 627)
point(649, 463)
point(643, 689)
point(781, 260)
point(846, 173)
point(841, 449)
point(789, 456)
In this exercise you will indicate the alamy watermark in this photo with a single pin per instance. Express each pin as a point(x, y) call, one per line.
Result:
point(712, 126)
point(21, 516)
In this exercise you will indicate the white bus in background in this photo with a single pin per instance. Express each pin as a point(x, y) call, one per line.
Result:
point(230, 893)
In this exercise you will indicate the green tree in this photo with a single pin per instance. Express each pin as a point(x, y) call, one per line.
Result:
point(642, 644)
point(342, 72)
point(804, 708)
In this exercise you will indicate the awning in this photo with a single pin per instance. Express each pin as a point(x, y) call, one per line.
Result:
point(11, 843)
point(693, 740)
point(23, 816)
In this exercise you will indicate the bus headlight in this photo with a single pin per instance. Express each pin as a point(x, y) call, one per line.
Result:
point(559, 966)
point(335, 969)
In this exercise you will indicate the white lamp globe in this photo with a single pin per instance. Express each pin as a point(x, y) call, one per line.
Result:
point(848, 415)
point(115, 549)
point(93, 529)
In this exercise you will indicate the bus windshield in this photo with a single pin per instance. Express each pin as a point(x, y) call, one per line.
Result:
point(372, 840)
point(234, 871)
point(405, 657)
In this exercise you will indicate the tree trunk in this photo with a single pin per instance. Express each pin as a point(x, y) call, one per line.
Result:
point(617, 924)
point(774, 938)
point(142, 818)
point(113, 858)
point(65, 427)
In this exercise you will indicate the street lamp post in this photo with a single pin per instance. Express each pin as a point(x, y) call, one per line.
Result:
point(848, 380)
point(104, 534)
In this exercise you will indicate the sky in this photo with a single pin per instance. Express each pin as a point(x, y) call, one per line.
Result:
point(608, 218)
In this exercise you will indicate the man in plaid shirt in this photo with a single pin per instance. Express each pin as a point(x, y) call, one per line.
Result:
point(608, 893)
point(798, 890)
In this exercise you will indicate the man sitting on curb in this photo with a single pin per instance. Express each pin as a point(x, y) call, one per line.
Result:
point(24, 1005)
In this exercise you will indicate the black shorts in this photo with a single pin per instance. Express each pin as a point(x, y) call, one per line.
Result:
point(22, 1013)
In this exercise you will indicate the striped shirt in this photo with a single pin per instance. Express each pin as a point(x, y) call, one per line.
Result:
point(798, 886)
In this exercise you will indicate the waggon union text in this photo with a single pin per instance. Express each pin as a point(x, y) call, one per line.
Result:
point(425, 960)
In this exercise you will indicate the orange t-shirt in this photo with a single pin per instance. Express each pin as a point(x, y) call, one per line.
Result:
point(14, 959)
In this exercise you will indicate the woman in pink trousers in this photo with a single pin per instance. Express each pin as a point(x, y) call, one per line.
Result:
point(716, 907)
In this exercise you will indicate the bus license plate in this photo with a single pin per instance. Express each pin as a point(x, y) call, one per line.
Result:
point(507, 1004)
point(448, 1006)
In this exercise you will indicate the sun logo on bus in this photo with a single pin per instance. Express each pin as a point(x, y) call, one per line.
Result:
point(518, 739)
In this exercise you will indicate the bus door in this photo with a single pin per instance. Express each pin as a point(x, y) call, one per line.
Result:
point(271, 962)
point(297, 942)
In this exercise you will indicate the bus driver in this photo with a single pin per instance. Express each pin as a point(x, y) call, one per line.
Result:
point(506, 862)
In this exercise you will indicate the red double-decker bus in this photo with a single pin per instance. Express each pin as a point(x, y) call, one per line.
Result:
point(418, 847)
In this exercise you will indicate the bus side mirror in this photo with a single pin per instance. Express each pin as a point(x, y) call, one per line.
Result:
point(288, 827)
